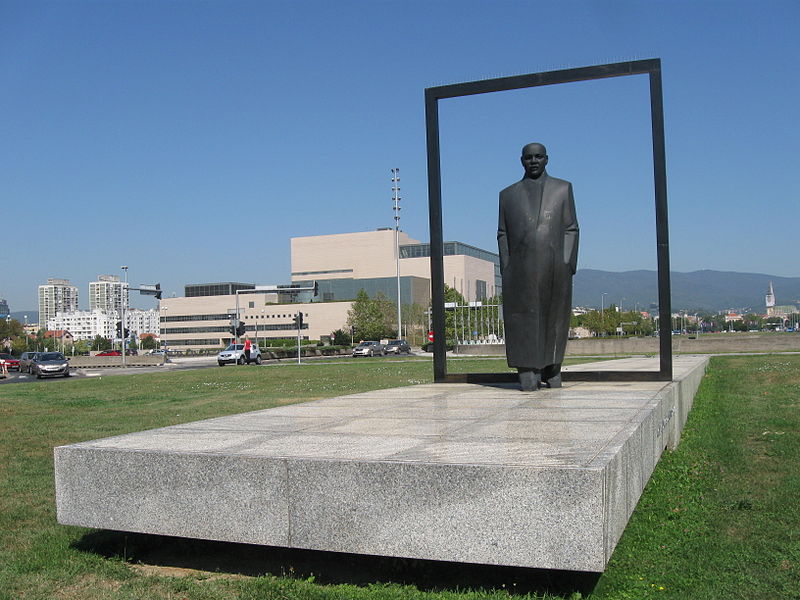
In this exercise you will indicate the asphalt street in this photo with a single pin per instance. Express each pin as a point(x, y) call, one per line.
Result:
point(181, 364)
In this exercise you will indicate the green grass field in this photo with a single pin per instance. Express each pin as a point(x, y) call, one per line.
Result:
point(719, 519)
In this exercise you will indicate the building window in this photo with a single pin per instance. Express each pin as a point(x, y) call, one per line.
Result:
point(480, 289)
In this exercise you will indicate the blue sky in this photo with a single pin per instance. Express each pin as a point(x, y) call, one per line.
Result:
point(192, 140)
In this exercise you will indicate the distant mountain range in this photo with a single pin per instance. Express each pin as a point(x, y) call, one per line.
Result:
point(696, 291)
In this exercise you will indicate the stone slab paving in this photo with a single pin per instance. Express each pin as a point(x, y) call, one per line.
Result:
point(456, 472)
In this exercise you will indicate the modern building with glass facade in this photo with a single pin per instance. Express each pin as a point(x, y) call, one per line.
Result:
point(341, 265)
point(192, 290)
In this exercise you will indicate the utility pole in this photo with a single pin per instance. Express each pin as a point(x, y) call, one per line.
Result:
point(298, 319)
point(122, 310)
point(396, 209)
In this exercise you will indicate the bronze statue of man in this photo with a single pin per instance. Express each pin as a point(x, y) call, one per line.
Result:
point(538, 239)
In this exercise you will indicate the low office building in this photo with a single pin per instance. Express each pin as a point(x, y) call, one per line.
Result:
point(341, 265)
point(205, 322)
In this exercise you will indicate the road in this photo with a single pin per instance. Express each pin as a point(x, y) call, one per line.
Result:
point(179, 363)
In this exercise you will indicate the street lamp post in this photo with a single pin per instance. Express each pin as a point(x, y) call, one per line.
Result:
point(162, 329)
point(603, 311)
point(122, 310)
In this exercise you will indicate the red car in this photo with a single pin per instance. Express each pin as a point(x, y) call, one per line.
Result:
point(109, 353)
point(12, 364)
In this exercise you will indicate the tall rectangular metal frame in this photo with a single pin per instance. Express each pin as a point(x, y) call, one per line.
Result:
point(651, 67)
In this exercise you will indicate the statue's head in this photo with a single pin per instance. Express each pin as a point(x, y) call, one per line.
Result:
point(534, 159)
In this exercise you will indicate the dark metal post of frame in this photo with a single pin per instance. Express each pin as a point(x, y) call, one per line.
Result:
point(651, 67)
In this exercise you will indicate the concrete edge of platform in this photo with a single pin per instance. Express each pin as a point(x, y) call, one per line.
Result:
point(538, 517)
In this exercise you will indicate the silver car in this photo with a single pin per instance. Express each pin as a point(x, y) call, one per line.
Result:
point(369, 349)
point(25, 361)
point(50, 364)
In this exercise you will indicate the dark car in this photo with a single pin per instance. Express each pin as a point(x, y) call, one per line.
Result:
point(50, 364)
point(397, 347)
point(12, 364)
point(25, 361)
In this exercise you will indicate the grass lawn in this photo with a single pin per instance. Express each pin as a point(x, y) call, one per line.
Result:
point(719, 519)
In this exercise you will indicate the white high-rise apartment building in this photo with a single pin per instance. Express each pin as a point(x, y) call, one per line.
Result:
point(107, 294)
point(142, 321)
point(57, 295)
point(85, 324)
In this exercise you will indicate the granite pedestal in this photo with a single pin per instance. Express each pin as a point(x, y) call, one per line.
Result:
point(452, 472)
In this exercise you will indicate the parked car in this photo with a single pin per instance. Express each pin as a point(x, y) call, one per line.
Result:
point(369, 349)
point(12, 364)
point(397, 347)
point(50, 364)
point(109, 353)
point(234, 354)
point(25, 360)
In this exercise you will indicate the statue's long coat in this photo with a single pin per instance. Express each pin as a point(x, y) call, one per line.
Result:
point(538, 240)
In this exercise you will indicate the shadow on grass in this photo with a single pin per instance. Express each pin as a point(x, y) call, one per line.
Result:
point(329, 568)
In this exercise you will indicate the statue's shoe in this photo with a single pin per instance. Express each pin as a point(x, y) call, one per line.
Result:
point(529, 380)
point(554, 382)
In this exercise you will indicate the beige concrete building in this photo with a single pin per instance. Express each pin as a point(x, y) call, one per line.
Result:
point(344, 261)
point(341, 265)
point(205, 321)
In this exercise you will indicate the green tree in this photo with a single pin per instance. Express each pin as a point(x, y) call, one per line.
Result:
point(149, 343)
point(19, 345)
point(633, 323)
point(601, 324)
point(100, 343)
point(340, 338)
point(371, 317)
point(82, 346)
point(452, 318)
point(754, 321)
point(415, 323)
point(11, 329)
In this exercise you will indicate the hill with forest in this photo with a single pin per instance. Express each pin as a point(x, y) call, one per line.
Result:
point(696, 291)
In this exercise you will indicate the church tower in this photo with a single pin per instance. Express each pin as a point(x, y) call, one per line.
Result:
point(770, 297)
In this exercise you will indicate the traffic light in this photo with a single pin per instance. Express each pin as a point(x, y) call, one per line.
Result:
point(158, 291)
point(430, 336)
point(232, 329)
point(298, 320)
point(119, 331)
point(240, 329)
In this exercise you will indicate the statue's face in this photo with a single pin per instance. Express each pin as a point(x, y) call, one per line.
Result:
point(534, 160)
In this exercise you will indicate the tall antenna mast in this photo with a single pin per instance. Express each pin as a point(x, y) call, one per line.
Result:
point(396, 209)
